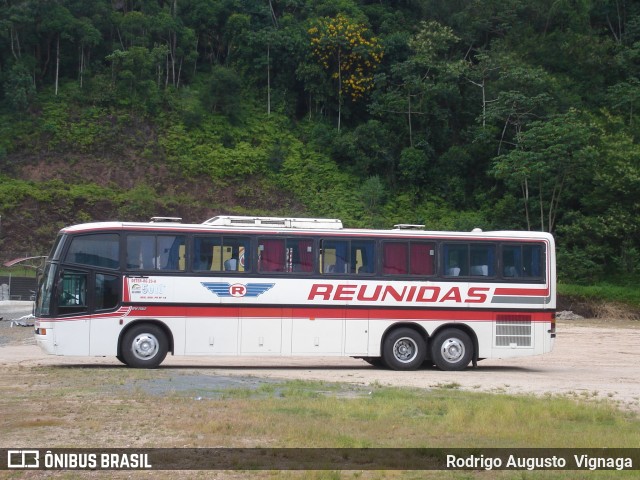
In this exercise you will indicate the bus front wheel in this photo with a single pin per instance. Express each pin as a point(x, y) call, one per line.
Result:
point(404, 349)
point(451, 349)
point(144, 346)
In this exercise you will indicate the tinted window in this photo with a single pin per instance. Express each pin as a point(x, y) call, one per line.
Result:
point(151, 252)
point(347, 256)
point(413, 258)
point(423, 258)
point(56, 250)
point(72, 292)
point(271, 255)
point(218, 254)
point(107, 291)
point(289, 255)
point(299, 255)
point(469, 260)
point(100, 250)
point(523, 261)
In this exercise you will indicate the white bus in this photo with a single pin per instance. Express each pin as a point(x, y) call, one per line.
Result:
point(292, 287)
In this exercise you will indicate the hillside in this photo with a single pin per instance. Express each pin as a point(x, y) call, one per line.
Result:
point(517, 115)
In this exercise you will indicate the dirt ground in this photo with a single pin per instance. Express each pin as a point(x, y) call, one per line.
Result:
point(598, 360)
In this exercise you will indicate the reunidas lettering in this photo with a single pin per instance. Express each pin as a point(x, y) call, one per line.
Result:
point(405, 294)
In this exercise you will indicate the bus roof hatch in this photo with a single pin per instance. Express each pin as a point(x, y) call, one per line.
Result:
point(278, 222)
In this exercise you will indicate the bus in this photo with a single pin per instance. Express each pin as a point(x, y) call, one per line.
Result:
point(261, 286)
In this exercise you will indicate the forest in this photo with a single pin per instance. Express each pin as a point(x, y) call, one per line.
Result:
point(455, 114)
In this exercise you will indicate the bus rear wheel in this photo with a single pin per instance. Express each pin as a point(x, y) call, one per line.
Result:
point(404, 349)
point(144, 346)
point(451, 349)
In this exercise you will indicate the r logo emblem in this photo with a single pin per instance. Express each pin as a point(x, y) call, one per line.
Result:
point(237, 290)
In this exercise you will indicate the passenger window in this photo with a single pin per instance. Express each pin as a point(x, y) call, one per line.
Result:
point(395, 258)
point(151, 252)
point(271, 255)
point(523, 261)
point(334, 257)
point(171, 252)
point(299, 255)
point(482, 260)
point(456, 260)
point(363, 257)
point(423, 259)
point(107, 291)
point(100, 250)
point(221, 254)
point(347, 256)
point(287, 255)
point(413, 258)
point(473, 260)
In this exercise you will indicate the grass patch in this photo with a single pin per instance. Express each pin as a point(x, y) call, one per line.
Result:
point(115, 407)
point(603, 300)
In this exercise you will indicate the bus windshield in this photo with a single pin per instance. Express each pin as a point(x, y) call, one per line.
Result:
point(43, 298)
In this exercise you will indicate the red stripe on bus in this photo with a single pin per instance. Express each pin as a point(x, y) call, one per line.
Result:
point(527, 292)
point(313, 313)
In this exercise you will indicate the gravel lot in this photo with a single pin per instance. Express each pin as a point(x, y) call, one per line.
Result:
point(596, 360)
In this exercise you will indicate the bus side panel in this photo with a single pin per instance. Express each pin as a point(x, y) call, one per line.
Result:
point(377, 328)
point(484, 334)
point(261, 336)
point(356, 337)
point(105, 333)
point(71, 337)
point(212, 335)
point(317, 336)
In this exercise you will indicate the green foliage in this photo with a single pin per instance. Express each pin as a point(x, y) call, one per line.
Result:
point(223, 93)
point(547, 154)
point(514, 115)
point(319, 184)
point(606, 292)
point(18, 88)
point(219, 150)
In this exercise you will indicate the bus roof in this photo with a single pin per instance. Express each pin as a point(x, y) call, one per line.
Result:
point(310, 226)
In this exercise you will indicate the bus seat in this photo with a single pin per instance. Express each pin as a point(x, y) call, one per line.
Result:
point(480, 270)
point(510, 271)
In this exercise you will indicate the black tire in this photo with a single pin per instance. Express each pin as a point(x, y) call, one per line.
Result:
point(404, 349)
point(451, 349)
point(144, 346)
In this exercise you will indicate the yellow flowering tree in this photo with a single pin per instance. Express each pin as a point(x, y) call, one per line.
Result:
point(349, 53)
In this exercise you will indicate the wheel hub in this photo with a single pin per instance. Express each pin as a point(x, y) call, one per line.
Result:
point(452, 350)
point(405, 350)
point(145, 346)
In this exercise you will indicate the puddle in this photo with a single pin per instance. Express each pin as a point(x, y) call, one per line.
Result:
point(201, 387)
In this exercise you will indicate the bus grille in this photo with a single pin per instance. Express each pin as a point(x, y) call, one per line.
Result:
point(513, 330)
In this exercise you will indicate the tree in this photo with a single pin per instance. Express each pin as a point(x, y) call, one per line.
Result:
point(349, 52)
point(19, 89)
point(548, 153)
point(87, 37)
point(222, 94)
point(136, 74)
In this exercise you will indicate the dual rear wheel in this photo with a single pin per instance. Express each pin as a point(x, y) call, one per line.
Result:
point(406, 349)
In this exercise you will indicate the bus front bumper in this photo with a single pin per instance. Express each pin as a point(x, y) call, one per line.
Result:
point(44, 337)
